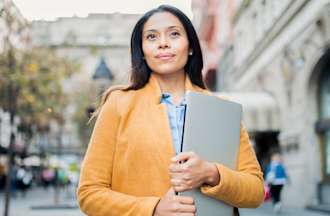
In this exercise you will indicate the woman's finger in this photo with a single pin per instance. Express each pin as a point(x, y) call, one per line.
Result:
point(176, 175)
point(187, 208)
point(180, 168)
point(182, 157)
point(176, 182)
point(175, 168)
point(181, 188)
point(185, 200)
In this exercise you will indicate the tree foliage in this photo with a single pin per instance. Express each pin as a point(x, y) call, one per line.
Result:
point(37, 78)
point(31, 78)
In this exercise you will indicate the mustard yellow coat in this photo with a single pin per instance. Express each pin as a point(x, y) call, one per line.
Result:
point(126, 167)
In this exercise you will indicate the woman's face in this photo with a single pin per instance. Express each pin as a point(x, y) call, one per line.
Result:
point(165, 44)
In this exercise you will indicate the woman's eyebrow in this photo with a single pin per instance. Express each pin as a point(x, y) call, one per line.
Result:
point(170, 27)
point(150, 30)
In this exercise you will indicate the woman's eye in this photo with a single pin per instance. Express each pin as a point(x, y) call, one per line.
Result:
point(175, 34)
point(151, 36)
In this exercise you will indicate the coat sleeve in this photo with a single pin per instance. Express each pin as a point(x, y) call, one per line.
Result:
point(244, 187)
point(95, 194)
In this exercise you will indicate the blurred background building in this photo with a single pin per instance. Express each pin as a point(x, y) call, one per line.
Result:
point(276, 63)
point(89, 39)
point(213, 22)
point(100, 43)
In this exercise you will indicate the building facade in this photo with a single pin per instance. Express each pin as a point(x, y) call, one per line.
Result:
point(98, 40)
point(213, 22)
point(89, 39)
point(281, 49)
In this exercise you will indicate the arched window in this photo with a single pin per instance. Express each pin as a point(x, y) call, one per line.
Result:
point(325, 119)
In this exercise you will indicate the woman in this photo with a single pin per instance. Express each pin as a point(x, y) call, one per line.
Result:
point(276, 178)
point(131, 166)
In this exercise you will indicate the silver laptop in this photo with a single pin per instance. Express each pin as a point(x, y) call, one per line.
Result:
point(212, 130)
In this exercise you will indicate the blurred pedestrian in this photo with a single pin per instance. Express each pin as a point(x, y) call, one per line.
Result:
point(130, 167)
point(47, 177)
point(276, 178)
point(24, 179)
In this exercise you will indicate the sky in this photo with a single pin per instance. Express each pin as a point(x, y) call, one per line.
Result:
point(51, 9)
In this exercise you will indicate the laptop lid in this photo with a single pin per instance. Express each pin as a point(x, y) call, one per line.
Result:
point(212, 130)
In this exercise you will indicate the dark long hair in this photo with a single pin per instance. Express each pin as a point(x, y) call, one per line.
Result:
point(140, 71)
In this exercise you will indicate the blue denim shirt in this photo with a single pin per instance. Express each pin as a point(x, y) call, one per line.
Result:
point(176, 119)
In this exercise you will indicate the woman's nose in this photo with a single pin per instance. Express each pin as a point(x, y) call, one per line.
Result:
point(163, 42)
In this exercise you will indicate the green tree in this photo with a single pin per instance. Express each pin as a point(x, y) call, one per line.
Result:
point(31, 84)
point(36, 81)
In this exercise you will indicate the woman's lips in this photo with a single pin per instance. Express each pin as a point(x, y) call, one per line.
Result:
point(165, 56)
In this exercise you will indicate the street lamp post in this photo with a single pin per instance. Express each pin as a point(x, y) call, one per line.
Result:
point(102, 75)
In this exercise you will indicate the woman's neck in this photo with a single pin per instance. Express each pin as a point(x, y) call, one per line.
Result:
point(173, 83)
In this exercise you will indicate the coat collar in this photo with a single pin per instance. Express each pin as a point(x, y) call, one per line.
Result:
point(157, 114)
point(154, 89)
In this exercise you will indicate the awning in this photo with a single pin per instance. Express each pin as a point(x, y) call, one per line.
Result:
point(260, 110)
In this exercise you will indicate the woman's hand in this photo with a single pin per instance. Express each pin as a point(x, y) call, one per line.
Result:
point(189, 171)
point(173, 205)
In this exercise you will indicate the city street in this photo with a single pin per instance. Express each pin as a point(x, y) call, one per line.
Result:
point(39, 202)
point(42, 198)
point(266, 209)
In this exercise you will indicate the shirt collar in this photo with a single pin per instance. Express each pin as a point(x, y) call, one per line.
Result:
point(167, 98)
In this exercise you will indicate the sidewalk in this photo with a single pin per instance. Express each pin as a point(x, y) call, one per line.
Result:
point(40, 198)
point(266, 210)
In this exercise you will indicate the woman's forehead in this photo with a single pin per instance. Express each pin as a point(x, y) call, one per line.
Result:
point(161, 21)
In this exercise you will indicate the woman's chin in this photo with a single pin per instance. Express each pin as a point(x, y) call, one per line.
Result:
point(165, 71)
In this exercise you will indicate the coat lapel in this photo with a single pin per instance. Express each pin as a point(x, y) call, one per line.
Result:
point(159, 118)
point(159, 122)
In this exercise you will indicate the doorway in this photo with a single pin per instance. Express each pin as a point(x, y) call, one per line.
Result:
point(266, 143)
